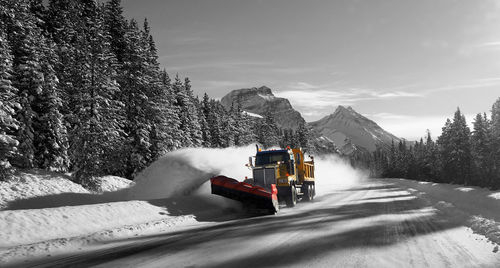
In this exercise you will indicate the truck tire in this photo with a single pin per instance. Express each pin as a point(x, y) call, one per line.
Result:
point(313, 191)
point(308, 192)
point(291, 198)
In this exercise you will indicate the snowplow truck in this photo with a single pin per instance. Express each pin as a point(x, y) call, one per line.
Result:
point(279, 176)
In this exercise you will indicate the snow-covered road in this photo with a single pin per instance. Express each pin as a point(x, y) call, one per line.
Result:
point(378, 223)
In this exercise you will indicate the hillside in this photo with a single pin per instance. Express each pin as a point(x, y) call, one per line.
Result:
point(347, 129)
point(260, 100)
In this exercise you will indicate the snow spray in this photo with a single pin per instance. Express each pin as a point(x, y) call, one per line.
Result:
point(187, 171)
point(334, 173)
point(184, 172)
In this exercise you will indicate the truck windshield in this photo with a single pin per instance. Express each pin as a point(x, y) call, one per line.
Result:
point(271, 158)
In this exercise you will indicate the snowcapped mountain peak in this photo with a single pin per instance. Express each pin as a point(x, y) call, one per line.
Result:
point(260, 100)
point(346, 126)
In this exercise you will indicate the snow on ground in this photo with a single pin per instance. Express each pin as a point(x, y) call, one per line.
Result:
point(42, 211)
point(495, 195)
point(34, 183)
point(252, 114)
point(114, 183)
point(464, 189)
point(475, 207)
point(35, 225)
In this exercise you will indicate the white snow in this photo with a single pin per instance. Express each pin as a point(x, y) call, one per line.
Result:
point(36, 183)
point(252, 114)
point(495, 195)
point(333, 174)
point(45, 211)
point(267, 97)
point(36, 225)
point(114, 183)
point(475, 207)
point(181, 172)
point(464, 189)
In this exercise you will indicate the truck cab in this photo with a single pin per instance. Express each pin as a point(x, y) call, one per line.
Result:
point(286, 168)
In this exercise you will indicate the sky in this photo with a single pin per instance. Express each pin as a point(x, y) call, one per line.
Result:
point(405, 64)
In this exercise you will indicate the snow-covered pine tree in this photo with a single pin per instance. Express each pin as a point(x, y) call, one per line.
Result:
point(432, 164)
point(8, 106)
point(445, 151)
point(28, 78)
point(192, 110)
point(135, 94)
point(456, 150)
point(97, 112)
point(243, 126)
point(481, 151)
point(495, 143)
point(267, 131)
point(116, 26)
point(214, 121)
point(303, 136)
point(166, 124)
point(51, 141)
point(203, 116)
point(182, 101)
point(228, 128)
point(191, 135)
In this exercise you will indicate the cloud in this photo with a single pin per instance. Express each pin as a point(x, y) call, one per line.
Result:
point(303, 86)
point(319, 100)
point(474, 84)
point(306, 94)
point(494, 44)
point(413, 127)
point(390, 116)
point(221, 65)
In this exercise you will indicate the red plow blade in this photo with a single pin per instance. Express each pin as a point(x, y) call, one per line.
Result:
point(250, 195)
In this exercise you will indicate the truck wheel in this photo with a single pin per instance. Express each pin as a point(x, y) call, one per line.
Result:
point(291, 198)
point(308, 192)
point(313, 191)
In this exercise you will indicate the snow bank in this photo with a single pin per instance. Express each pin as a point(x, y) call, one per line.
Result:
point(114, 183)
point(35, 183)
point(35, 225)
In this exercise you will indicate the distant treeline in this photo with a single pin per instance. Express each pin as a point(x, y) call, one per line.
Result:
point(458, 156)
point(81, 90)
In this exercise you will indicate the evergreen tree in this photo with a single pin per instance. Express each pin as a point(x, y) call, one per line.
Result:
point(432, 166)
point(8, 106)
point(97, 111)
point(204, 115)
point(495, 143)
point(267, 131)
point(456, 152)
point(214, 120)
point(192, 112)
point(51, 141)
point(481, 150)
point(116, 26)
point(28, 79)
point(167, 120)
point(302, 136)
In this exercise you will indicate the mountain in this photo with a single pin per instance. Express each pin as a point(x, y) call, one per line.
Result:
point(257, 101)
point(349, 131)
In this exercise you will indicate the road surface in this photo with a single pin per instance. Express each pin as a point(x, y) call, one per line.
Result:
point(375, 224)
